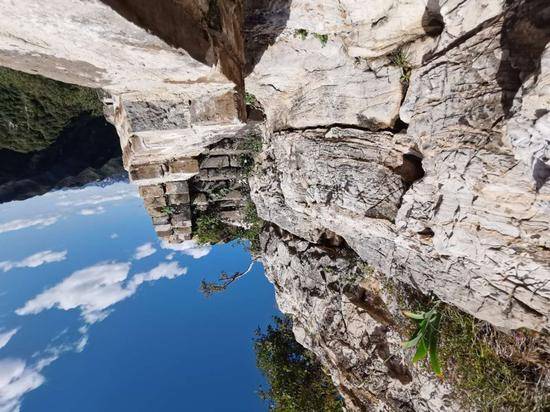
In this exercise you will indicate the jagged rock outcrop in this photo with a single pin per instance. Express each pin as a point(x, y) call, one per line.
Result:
point(416, 131)
point(305, 79)
point(347, 318)
point(472, 225)
point(175, 75)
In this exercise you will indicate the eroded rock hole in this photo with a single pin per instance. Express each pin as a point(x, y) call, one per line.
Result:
point(525, 34)
point(432, 20)
point(427, 232)
point(411, 169)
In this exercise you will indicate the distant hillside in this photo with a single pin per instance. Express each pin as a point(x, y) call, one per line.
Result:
point(34, 110)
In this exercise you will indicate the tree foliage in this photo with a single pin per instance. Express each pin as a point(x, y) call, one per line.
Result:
point(34, 110)
point(297, 382)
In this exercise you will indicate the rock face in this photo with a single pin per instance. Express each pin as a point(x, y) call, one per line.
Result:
point(175, 77)
point(459, 202)
point(305, 79)
point(343, 315)
point(416, 132)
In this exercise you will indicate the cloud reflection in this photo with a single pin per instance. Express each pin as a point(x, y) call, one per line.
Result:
point(16, 379)
point(5, 337)
point(93, 211)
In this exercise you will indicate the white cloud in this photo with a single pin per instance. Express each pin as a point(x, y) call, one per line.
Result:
point(38, 259)
point(92, 289)
point(93, 211)
point(114, 235)
point(95, 289)
point(144, 250)
point(100, 199)
point(189, 247)
point(81, 344)
point(5, 337)
point(19, 224)
point(16, 379)
point(163, 270)
point(170, 256)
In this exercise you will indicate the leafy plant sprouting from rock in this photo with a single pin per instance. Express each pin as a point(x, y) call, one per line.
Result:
point(301, 33)
point(400, 59)
point(252, 144)
point(210, 229)
point(297, 382)
point(250, 99)
point(168, 210)
point(323, 38)
point(426, 337)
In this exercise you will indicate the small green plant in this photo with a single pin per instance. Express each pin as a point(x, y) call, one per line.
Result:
point(247, 164)
point(400, 59)
point(168, 210)
point(252, 143)
point(250, 99)
point(323, 38)
point(301, 33)
point(210, 229)
point(219, 192)
point(426, 337)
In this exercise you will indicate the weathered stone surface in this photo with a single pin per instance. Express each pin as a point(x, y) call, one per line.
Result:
point(443, 240)
point(215, 162)
point(177, 188)
point(176, 83)
point(151, 191)
point(89, 43)
point(317, 83)
point(353, 326)
point(316, 176)
point(179, 199)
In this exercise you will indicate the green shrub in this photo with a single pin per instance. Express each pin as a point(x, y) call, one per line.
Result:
point(210, 229)
point(250, 99)
point(297, 382)
point(34, 110)
point(255, 226)
point(168, 210)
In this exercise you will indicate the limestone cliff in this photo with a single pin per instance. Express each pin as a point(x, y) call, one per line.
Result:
point(454, 197)
point(346, 317)
point(416, 132)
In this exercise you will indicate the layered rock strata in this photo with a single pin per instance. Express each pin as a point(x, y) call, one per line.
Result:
point(176, 192)
point(346, 316)
point(175, 76)
point(457, 203)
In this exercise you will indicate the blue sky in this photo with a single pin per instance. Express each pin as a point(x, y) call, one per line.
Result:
point(96, 314)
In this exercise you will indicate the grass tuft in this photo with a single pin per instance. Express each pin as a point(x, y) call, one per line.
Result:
point(400, 59)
